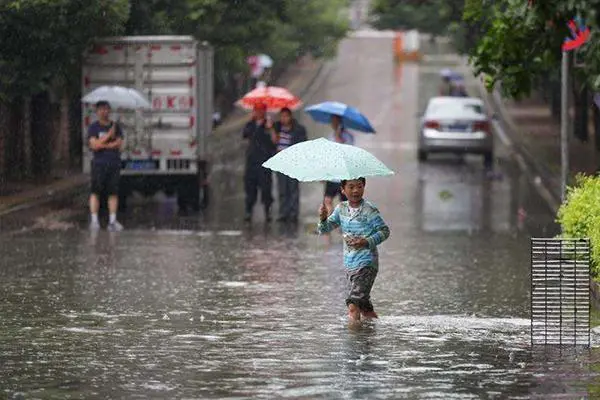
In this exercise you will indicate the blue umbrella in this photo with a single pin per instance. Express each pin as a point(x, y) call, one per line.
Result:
point(457, 77)
point(351, 117)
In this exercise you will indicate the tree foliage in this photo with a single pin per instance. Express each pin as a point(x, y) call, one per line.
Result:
point(431, 16)
point(43, 40)
point(523, 41)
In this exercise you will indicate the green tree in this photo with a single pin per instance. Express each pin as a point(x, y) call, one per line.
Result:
point(284, 29)
point(522, 42)
point(431, 16)
point(42, 40)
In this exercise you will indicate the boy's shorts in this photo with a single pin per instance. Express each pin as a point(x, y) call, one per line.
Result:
point(360, 282)
point(105, 178)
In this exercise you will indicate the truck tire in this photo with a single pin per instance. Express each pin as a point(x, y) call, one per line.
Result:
point(488, 159)
point(124, 193)
point(205, 196)
point(181, 201)
point(123, 200)
point(195, 196)
point(188, 194)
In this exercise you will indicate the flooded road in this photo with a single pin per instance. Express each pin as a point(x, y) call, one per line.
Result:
point(204, 306)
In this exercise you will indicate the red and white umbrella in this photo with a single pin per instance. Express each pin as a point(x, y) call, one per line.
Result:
point(274, 97)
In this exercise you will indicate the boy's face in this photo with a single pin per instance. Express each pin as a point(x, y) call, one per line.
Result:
point(103, 112)
point(354, 190)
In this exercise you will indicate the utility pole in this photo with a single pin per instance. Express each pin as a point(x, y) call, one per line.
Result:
point(580, 33)
point(564, 125)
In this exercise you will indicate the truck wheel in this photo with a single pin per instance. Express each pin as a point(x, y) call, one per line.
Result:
point(488, 159)
point(205, 196)
point(123, 200)
point(195, 196)
point(188, 194)
point(181, 201)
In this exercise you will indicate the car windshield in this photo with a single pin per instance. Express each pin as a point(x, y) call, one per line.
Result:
point(455, 108)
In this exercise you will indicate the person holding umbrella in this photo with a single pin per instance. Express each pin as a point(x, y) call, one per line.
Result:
point(341, 117)
point(359, 220)
point(445, 88)
point(105, 140)
point(285, 133)
point(260, 149)
point(339, 135)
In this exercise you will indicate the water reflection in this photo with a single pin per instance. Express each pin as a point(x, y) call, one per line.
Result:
point(456, 195)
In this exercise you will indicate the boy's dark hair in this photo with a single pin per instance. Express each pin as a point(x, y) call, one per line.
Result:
point(102, 103)
point(363, 180)
point(286, 110)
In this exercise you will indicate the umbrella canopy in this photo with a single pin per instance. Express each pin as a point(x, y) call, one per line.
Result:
point(265, 61)
point(457, 77)
point(351, 117)
point(325, 160)
point(446, 73)
point(117, 97)
point(274, 97)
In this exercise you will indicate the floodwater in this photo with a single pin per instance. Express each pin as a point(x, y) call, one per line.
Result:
point(199, 307)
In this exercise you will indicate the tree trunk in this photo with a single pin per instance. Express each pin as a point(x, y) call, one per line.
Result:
point(62, 142)
point(4, 131)
point(581, 115)
point(597, 127)
point(42, 134)
point(27, 141)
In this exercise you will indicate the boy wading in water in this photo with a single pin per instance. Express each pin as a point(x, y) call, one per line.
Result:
point(363, 230)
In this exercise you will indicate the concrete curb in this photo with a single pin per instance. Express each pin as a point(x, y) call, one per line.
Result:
point(506, 130)
point(60, 192)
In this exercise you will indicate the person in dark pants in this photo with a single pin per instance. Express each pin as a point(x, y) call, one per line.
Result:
point(340, 135)
point(288, 132)
point(105, 139)
point(260, 149)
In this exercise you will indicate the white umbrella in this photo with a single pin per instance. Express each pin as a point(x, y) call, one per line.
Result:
point(265, 61)
point(446, 73)
point(117, 97)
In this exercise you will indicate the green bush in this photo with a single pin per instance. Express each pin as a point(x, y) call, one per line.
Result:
point(579, 215)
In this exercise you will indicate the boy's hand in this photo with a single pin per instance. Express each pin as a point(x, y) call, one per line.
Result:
point(323, 212)
point(358, 243)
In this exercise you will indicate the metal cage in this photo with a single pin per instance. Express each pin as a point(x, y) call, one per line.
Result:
point(560, 292)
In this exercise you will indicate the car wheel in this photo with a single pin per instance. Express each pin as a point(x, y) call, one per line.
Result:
point(488, 159)
point(422, 155)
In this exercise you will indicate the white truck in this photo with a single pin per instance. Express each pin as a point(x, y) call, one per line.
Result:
point(164, 147)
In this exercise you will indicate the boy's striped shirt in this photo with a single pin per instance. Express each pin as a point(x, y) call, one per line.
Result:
point(367, 223)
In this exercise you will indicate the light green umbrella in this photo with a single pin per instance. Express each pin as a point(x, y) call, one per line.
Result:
point(325, 160)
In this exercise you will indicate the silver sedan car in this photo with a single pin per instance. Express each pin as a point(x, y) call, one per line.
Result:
point(456, 125)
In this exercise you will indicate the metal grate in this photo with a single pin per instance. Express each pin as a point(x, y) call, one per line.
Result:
point(178, 164)
point(560, 291)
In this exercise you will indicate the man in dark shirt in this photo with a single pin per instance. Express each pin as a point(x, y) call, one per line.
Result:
point(105, 139)
point(260, 149)
point(285, 133)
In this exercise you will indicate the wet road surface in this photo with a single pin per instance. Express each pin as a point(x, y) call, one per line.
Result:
point(204, 306)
